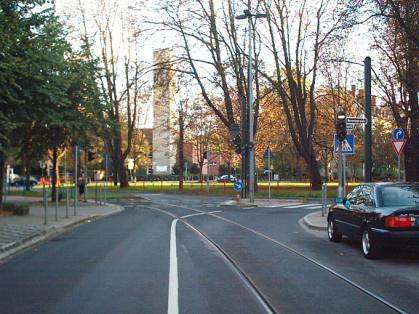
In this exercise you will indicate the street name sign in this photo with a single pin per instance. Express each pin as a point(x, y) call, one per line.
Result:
point(356, 120)
point(348, 145)
point(398, 146)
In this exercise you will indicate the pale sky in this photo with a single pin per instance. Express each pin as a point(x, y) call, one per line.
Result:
point(122, 11)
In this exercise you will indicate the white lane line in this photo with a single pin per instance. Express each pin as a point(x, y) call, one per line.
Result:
point(280, 205)
point(315, 207)
point(173, 302)
point(298, 206)
point(199, 214)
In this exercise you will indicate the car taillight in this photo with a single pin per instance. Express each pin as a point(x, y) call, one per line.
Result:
point(398, 221)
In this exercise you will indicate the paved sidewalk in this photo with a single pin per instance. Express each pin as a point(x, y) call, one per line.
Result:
point(19, 232)
point(315, 221)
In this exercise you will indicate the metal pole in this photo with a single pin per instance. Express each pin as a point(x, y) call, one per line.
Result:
point(344, 175)
point(107, 177)
point(340, 177)
point(85, 177)
point(208, 157)
point(56, 203)
point(398, 168)
point(243, 123)
point(368, 126)
point(323, 202)
point(76, 161)
point(269, 172)
point(251, 116)
point(67, 201)
point(45, 204)
point(96, 193)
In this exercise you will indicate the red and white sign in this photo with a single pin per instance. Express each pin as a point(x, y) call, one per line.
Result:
point(398, 145)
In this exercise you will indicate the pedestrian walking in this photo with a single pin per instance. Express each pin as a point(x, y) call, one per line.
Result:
point(82, 188)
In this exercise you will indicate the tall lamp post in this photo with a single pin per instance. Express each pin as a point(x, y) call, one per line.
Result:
point(248, 15)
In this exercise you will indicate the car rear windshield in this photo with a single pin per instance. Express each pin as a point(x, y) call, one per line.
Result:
point(406, 195)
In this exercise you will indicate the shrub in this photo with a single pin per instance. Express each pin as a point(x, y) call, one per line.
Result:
point(18, 209)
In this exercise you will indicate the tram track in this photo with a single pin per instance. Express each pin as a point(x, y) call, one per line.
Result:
point(235, 265)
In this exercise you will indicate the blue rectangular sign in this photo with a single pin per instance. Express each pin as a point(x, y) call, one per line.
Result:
point(348, 145)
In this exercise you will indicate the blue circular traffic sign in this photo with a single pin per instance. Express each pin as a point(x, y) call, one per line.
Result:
point(238, 186)
point(398, 134)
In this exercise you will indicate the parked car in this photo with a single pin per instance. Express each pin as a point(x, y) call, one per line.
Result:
point(227, 178)
point(21, 181)
point(381, 215)
point(13, 179)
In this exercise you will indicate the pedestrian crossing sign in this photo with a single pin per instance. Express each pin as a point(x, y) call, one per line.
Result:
point(348, 145)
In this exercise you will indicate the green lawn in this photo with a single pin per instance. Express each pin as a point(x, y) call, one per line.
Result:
point(278, 189)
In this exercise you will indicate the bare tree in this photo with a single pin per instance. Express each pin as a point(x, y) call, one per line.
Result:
point(120, 81)
point(398, 73)
point(299, 34)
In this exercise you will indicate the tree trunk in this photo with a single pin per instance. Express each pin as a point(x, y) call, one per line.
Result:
point(25, 166)
point(315, 178)
point(123, 178)
point(411, 152)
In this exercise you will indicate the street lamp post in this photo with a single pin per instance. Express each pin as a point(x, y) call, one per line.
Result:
point(247, 14)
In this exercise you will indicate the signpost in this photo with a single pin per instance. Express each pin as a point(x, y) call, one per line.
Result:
point(238, 186)
point(348, 145)
point(268, 155)
point(398, 143)
point(356, 120)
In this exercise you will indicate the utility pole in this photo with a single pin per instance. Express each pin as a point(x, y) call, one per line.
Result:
point(368, 127)
point(243, 123)
point(341, 136)
point(76, 160)
point(247, 14)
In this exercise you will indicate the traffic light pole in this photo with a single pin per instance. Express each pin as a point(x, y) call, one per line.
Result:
point(340, 172)
point(368, 126)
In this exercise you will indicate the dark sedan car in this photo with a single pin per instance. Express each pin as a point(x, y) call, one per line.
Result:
point(381, 215)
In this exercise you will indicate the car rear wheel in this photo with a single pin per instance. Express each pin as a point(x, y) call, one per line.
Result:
point(332, 233)
point(369, 246)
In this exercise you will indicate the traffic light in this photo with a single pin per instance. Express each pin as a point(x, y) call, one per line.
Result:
point(237, 144)
point(205, 154)
point(341, 125)
point(90, 156)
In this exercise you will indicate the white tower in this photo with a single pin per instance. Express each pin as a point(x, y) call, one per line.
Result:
point(164, 147)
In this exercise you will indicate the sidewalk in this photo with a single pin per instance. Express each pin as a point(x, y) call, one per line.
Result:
point(19, 232)
point(313, 220)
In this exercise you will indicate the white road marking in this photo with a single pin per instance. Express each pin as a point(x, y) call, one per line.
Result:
point(297, 206)
point(315, 207)
point(199, 214)
point(173, 302)
point(280, 205)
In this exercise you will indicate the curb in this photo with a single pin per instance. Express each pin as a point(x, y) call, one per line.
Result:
point(310, 225)
point(232, 203)
point(16, 247)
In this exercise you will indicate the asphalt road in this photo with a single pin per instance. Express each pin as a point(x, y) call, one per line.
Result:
point(185, 254)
